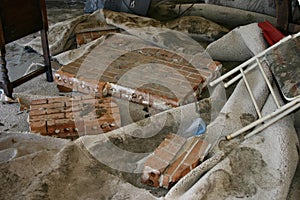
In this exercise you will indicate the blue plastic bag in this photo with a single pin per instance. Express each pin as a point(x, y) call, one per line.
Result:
point(198, 127)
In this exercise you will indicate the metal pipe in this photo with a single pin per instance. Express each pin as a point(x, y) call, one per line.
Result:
point(233, 71)
point(259, 121)
point(273, 120)
point(251, 94)
point(268, 83)
point(237, 77)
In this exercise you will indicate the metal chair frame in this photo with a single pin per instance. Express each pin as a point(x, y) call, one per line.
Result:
point(244, 68)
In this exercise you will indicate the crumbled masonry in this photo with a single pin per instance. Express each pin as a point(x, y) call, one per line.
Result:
point(67, 117)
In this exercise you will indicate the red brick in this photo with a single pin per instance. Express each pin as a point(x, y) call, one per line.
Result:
point(164, 154)
point(129, 61)
point(55, 118)
point(165, 181)
point(179, 164)
point(38, 101)
point(38, 127)
point(80, 39)
point(156, 163)
point(38, 112)
point(57, 100)
point(47, 117)
point(59, 126)
point(173, 167)
point(151, 177)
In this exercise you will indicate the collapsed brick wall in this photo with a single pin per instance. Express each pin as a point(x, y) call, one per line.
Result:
point(67, 117)
point(92, 72)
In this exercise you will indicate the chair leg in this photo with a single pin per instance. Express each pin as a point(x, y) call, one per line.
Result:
point(46, 55)
point(4, 79)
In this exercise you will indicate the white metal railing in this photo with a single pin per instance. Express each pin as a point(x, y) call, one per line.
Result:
point(244, 68)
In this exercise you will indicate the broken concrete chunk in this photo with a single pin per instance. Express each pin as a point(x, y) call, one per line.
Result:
point(239, 44)
point(67, 117)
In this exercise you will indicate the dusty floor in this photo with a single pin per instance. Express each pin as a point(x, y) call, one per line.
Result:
point(19, 59)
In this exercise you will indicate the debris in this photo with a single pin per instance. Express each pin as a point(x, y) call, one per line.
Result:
point(172, 160)
point(24, 105)
point(148, 76)
point(67, 117)
point(284, 62)
point(90, 30)
point(6, 99)
point(283, 59)
point(198, 28)
point(198, 127)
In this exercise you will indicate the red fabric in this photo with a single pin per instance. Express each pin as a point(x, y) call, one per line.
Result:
point(270, 33)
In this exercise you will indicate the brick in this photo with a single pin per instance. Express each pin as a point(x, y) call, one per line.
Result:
point(38, 112)
point(175, 166)
point(159, 160)
point(164, 154)
point(38, 127)
point(151, 177)
point(72, 117)
point(86, 37)
point(59, 126)
point(95, 63)
point(47, 117)
point(184, 157)
point(39, 101)
point(57, 100)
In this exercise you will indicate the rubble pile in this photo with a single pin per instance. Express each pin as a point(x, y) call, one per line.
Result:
point(66, 117)
point(173, 159)
point(112, 65)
